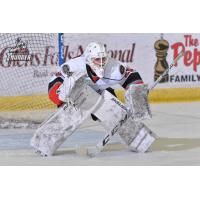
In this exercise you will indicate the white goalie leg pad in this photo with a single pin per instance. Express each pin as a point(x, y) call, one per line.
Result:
point(137, 136)
point(129, 130)
point(115, 118)
point(56, 129)
point(137, 101)
point(51, 134)
point(111, 112)
point(143, 140)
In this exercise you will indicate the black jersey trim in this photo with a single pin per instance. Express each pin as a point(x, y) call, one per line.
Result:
point(52, 83)
point(91, 74)
point(132, 78)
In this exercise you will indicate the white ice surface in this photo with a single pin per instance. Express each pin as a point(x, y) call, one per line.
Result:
point(176, 124)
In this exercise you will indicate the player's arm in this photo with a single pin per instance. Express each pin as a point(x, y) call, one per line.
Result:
point(131, 77)
point(70, 78)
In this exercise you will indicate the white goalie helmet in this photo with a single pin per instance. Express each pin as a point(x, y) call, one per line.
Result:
point(96, 57)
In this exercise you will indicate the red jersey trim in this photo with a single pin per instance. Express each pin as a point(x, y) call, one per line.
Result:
point(53, 95)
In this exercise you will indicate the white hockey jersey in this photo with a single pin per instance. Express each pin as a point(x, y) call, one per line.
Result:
point(115, 73)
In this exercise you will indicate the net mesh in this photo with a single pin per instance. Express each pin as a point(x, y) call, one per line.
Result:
point(27, 61)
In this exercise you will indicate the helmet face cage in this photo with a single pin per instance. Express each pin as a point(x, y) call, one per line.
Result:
point(96, 57)
point(100, 61)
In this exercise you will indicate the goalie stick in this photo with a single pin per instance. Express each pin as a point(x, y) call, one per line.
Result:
point(167, 70)
point(93, 151)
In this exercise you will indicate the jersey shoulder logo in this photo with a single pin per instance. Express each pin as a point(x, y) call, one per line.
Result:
point(122, 69)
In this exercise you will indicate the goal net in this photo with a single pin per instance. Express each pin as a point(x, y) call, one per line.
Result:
point(27, 61)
